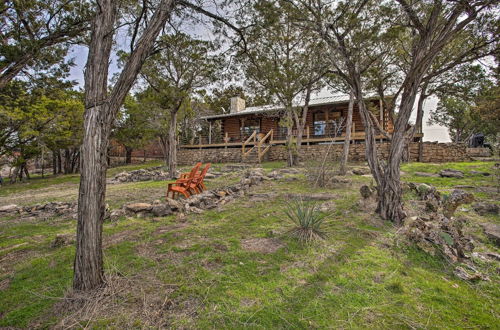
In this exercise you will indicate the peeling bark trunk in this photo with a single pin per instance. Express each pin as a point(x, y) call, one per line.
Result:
point(347, 141)
point(54, 163)
point(172, 145)
point(67, 161)
point(290, 161)
point(89, 272)
point(301, 123)
point(59, 162)
point(164, 149)
point(100, 112)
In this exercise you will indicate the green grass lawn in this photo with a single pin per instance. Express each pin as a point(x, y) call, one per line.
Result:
point(195, 271)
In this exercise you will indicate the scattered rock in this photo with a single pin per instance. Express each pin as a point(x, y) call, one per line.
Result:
point(261, 245)
point(463, 186)
point(484, 208)
point(438, 232)
point(480, 173)
point(327, 206)
point(161, 210)
point(469, 275)
point(492, 231)
point(174, 204)
point(116, 214)
point(366, 191)
point(151, 174)
point(40, 210)
point(360, 171)
point(454, 200)
point(9, 208)
point(431, 205)
point(262, 197)
point(234, 167)
point(425, 174)
point(289, 170)
point(451, 173)
point(62, 240)
point(138, 207)
point(427, 192)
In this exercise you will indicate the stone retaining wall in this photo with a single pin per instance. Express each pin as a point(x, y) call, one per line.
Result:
point(211, 155)
point(433, 152)
point(479, 152)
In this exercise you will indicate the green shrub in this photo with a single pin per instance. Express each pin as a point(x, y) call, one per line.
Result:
point(308, 220)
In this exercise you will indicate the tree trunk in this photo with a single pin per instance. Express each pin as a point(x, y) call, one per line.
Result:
point(128, 155)
point(290, 161)
point(89, 272)
point(100, 112)
point(54, 163)
point(164, 149)
point(75, 161)
point(67, 161)
point(172, 145)
point(301, 123)
point(347, 141)
point(390, 194)
point(59, 162)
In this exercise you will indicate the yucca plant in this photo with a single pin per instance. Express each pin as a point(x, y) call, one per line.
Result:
point(308, 220)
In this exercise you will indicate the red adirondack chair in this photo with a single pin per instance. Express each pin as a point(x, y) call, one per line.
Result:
point(198, 179)
point(183, 186)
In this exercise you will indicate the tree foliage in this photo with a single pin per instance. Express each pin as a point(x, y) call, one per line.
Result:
point(36, 34)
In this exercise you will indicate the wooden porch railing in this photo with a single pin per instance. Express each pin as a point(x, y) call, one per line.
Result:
point(247, 141)
point(261, 152)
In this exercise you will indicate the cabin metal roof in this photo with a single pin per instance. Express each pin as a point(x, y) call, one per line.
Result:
point(334, 99)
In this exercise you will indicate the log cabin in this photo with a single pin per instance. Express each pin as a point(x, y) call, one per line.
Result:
point(325, 123)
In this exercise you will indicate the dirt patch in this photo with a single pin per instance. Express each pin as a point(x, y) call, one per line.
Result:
point(151, 252)
point(131, 302)
point(120, 237)
point(170, 228)
point(262, 245)
point(10, 260)
point(67, 192)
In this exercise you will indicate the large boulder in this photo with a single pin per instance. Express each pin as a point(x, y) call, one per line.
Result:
point(361, 171)
point(451, 173)
point(454, 200)
point(138, 207)
point(438, 233)
point(492, 231)
point(175, 205)
point(9, 208)
point(483, 208)
point(161, 210)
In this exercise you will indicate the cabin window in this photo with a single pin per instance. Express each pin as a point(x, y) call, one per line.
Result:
point(334, 124)
point(319, 123)
point(249, 126)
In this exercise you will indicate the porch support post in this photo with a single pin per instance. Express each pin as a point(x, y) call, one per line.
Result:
point(209, 132)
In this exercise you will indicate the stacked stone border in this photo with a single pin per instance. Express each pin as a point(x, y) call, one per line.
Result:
point(433, 152)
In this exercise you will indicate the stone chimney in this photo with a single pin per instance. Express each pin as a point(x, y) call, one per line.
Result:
point(237, 104)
